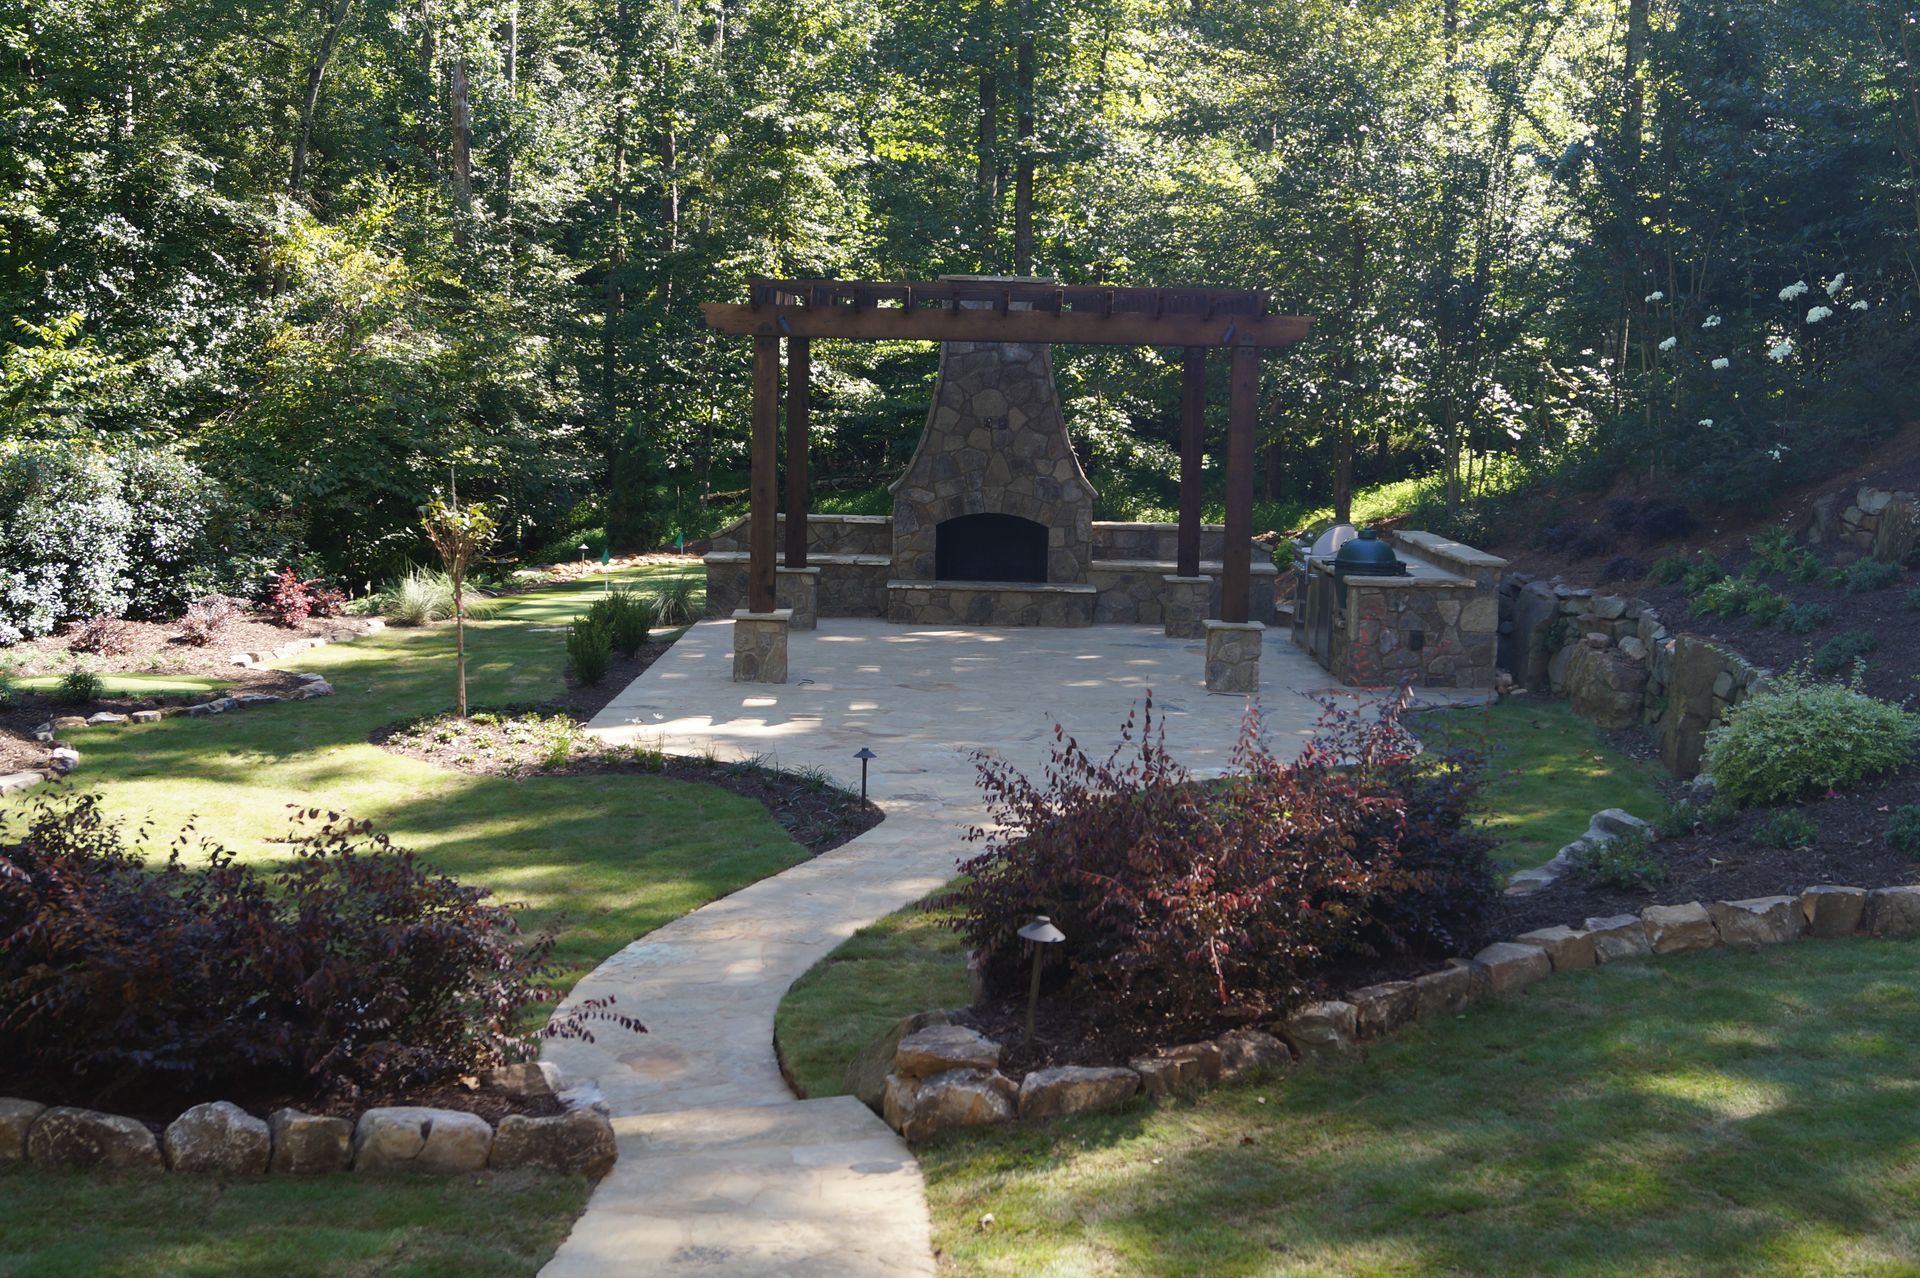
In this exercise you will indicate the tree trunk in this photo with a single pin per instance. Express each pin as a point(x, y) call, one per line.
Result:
point(430, 79)
point(1023, 143)
point(510, 136)
point(986, 181)
point(616, 215)
point(310, 103)
point(459, 649)
point(462, 136)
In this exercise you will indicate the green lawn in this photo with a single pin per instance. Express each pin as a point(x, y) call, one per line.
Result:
point(1549, 772)
point(610, 857)
point(130, 685)
point(500, 1225)
point(606, 858)
point(1723, 1114)
point(907, 962)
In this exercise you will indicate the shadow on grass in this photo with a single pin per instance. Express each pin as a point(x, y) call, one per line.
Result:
point(1720, 1114)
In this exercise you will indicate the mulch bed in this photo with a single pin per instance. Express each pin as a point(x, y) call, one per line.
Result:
point(154, 647)
point(522, 741)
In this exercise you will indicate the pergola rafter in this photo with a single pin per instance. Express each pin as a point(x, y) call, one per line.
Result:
point(1026, 311)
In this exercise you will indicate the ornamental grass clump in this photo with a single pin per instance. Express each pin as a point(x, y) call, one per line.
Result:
point(1803, 738)
point(1183, 897)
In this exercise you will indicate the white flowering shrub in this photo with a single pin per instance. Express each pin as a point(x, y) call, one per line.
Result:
point(1804, 738)
point(87, 532)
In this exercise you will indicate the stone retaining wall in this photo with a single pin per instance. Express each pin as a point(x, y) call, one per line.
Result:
point(1618, 665)
point(944, 1075)
point(221, 1137)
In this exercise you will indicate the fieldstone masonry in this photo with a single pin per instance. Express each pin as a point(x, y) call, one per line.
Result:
point(1185, 603)
point(798, 591)
point(1233, 657)
point(760, 646)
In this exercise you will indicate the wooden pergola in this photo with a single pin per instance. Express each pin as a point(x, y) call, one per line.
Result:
point(1194, 319)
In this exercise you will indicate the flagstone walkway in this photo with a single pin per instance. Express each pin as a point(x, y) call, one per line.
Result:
point(722, 1171)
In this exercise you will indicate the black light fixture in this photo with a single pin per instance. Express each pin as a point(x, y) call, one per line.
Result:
point(1039, 932)
point(865, 756)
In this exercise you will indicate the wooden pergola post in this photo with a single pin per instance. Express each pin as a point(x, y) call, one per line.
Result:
point(1237, 557)
point(799, 371)
point(765, 461)
point(1193, 439)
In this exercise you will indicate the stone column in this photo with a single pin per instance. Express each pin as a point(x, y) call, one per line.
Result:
point(760, 645)
point(797, 590)
point(1233, 657)
point(1185, 602)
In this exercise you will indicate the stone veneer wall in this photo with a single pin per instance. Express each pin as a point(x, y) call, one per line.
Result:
point(1429, 633)
point(1881, 522)
point(995, 443)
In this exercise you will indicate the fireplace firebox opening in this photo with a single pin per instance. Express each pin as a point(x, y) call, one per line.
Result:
point(990, 547)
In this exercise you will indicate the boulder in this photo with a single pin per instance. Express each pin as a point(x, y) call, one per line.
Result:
point(1245, 1051)
point(1381, 1009)
point(940, 1048)
point(1618, 937)
point(64, 759)
point(1174, 1069)
point(1615, 821)
point(919, 1107)
point(414, 1138)
point(1512, 966)
point(308, 691)
point(523, 1080)
point(1443, 993)
point(1759, 920)
point(11, 781)
point(1694, 667)
point(218, 1137)
point(1833, 911)
point(65, 722)
point(68, 1139)
point(1075, 1089)
point(866, 1076)
point(1324, 1033)
point(1891, 911)
point(146, 716)
point(1566, 947)
point(579, 1142)
point(16, 1120)
point(102, 717)
point(309, 1144)
point(1679, 929)
point(1479, 979)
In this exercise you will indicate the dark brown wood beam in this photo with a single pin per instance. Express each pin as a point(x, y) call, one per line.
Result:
point(1242, 410)
point(1193, 444)
point(766, 460)
point(799, 372)
point(941, 324)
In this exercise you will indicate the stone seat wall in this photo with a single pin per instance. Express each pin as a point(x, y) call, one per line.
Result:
point(826, 535)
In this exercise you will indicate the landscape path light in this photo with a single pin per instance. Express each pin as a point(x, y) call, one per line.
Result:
point(865, 756)
point(1039, 932)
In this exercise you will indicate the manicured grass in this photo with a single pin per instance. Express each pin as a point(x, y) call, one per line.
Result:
point(606, 858)
point(130, 685)
point(132, 1226)
point(907, 962)
point(1549, 771)
point(1725, 1114)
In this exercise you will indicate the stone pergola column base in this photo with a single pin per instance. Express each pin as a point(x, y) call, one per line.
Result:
point(797, 590)
point(760, 645)
point(1233, 657)
point(1185, 602)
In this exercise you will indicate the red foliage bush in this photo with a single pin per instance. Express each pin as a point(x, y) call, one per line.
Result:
point(352, 968)
point(104, 636)
point(327, 601)
point(291, 600)
point(209, 620)
point(1180, 896)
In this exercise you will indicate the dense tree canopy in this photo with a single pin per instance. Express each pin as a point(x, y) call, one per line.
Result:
point(341, 250)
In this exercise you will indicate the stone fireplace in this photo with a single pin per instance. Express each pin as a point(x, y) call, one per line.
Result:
point(995, 444)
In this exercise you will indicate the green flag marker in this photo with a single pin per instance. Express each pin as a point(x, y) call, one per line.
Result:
point(605, 556)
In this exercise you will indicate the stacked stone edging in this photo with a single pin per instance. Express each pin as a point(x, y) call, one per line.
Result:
point(1606, 825)
point(65, 759)
point(946, 1075)
point(221, 1137)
